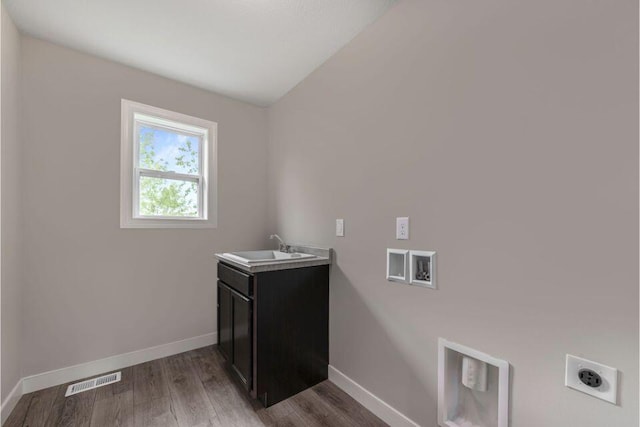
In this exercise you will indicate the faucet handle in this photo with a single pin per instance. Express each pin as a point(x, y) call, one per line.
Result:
point(285, 248)
point(282, 246)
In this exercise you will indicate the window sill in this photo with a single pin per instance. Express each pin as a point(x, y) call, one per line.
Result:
point(167, 223)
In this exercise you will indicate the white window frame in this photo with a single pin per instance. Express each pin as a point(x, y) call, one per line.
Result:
point(133, 114)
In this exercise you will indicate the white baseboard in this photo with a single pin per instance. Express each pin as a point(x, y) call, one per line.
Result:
point(379, 407)
point(72, 373)
point(10, 402)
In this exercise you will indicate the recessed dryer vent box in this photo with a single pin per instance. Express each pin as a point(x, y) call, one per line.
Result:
point(397, 265)
point(422, 269)
point(473, 387)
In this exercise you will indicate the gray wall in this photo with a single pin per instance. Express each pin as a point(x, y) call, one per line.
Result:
point(94, 290)
point(508, 132)
point(11, 288)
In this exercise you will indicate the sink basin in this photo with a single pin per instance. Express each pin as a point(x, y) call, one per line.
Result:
point(255, 257)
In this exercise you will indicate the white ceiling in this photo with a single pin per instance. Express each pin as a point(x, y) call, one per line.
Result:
point(253, 50)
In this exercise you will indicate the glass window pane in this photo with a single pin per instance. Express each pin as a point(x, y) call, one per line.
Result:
point(165, 150)
point(168, 197)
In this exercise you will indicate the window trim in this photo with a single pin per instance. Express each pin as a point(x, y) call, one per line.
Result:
point(133, 113)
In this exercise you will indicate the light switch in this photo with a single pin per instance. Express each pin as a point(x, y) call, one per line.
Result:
point(402, 228)
point(340, 227)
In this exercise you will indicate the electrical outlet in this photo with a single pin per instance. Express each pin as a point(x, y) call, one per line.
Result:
point(592, 378)
point(340, 227)
point(402, 228)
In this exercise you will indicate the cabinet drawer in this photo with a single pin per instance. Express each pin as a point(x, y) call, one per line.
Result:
point(237, 280)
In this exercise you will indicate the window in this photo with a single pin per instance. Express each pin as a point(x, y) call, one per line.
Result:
point(167, 169)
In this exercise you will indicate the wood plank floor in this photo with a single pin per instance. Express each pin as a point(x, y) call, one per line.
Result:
point(186, 390)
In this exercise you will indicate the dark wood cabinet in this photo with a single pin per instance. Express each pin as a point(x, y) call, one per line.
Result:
point(234, 331)
point(242, 353)
point(273, 329)
point(225, 321)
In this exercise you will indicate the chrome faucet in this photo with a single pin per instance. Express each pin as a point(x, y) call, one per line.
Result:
point(282, 247)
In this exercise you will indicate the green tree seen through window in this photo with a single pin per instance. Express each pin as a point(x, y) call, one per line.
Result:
point(165, 151)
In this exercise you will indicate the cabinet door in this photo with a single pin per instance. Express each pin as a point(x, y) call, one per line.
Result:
point(242, 338)
point(225, 321)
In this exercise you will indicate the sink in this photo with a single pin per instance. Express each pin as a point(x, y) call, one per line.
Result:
point(266, 256)
point(270, 260)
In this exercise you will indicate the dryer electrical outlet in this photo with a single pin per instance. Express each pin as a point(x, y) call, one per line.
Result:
point(592, 378)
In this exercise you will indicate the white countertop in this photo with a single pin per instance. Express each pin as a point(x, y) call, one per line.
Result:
point(322, 257)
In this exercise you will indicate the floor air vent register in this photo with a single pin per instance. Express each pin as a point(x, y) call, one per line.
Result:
point(93, 383)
